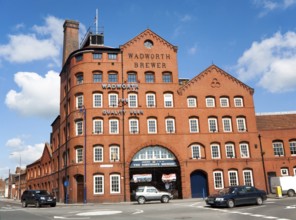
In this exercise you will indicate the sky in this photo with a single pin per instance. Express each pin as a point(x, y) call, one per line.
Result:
point(253, 40)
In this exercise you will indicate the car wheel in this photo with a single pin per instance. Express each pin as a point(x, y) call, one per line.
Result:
point(230, 203)
point(290, 192)
point(259, 201)
point(37, 204)
point(141, 200)
point(165, 199)
point(24, 204)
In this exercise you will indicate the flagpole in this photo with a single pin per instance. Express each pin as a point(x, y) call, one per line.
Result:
point(97, 21)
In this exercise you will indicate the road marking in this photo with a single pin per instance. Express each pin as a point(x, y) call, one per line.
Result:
point(138, 212)
point(98, 213)
point(291, 207)
point(61, 217)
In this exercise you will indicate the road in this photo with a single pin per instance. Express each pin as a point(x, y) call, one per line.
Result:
point(276, 209)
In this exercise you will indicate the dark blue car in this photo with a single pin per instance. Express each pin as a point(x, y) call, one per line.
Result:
point(237, 195)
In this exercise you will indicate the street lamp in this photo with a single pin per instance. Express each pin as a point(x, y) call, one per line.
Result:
point(19, 186)
point(83, 109)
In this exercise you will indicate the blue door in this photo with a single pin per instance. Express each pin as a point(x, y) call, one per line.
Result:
point(199, 184)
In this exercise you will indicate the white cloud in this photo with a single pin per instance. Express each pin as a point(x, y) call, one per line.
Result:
point(272, 62)
point(39, 96)
point(271, 5)
point(14, 142)
point(44, 43)
point(192, 50)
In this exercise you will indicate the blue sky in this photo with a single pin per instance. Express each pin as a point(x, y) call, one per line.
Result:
point(253, 40)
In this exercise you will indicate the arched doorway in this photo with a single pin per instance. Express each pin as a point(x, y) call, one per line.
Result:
point(80, 187)
point(199, 184)
point(156, 166)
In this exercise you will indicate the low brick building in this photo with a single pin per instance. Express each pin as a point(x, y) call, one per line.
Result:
point(127, 119)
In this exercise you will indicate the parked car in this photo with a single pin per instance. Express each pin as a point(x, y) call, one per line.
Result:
point(150, 193)
point(237, 195)
point(37, 198)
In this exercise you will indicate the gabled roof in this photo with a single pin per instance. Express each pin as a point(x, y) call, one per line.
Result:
point(276, 121)
point(151, 35)
point(208, 71)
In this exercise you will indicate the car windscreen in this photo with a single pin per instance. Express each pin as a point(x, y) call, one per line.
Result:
point(42, 192)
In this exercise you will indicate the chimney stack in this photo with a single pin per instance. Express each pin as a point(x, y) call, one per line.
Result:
point(71, 42)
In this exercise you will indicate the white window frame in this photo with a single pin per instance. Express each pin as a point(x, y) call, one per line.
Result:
point(280, 148)
point(292, 144)
point(193, 125)
point(224, 102)
point(191, 102)
point(79, 155)
point(218, 180)
point(79, 127)
point(101, 149)
point(241, 124)
point(152, 126)
point(238, 102)
point(113, 99)
point(227, 124)
point(101, 177)
point(248, 174)
point(114, 153)
point(132, 100)
point(168, 100)
point(150, 100)
point(284, 172)
point(133, 126)
point(195, 151)
point(213, 124)
point(244, 152)
point(112, 124)
point(97, 100)
point(79, 101)
point(167, 126)
point(210, 102)
point(114, 189)
point(229, 148)
point(98, 125)
point(232, 181)
point(218, 151)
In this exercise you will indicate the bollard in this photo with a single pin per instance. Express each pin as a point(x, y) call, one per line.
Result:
point(279, 192)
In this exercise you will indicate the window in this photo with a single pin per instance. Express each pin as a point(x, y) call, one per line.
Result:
point(170, 125)
point(134, 126)
point(98, 154)
point(112, 56)
point(167, 77)
point(113, 126)
point(97, 100)
point(278, 148)
point(152, 126)
point(227, 124)
point(193, 125)
point(294, 169)
point(244, 150)
point(79, 78)
point(131, 77)
point(97, 56)
point(213, 125)
point(293, 147)
point(114, 183)
point(210, 102)
point(215, 150)
point(79, 57)
point(233, 180)
point(113, 77)
point(149, 77)
point(132, 100)
point(114, 153)
point(113, 100)
point(97, 77)
point(191, 102)
point(98, 184)
point(150, 100)
point(168, 100)
point(79, 127)
point(238, 102)
point(79, 101)
point(218, 180)
point(224, 102)
point(195, 151)
point(241, 124)
point(229, 151)
point(98, 126)
point(79, 155)
point(248, 178)
point(284, 172)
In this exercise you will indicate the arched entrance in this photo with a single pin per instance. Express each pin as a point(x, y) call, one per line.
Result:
point(80, 187)
point(199, 184)
point(156, 166)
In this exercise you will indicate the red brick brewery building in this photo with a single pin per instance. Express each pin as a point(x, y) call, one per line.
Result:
point(127, 119)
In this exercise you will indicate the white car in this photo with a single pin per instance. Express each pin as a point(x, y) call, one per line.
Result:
point(150, 193)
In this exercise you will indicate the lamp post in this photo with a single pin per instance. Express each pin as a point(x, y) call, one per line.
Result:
point(263, 164)
point(83, 109)
point(19, 186)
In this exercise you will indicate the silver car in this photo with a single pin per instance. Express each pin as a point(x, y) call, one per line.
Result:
point(150, 193)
